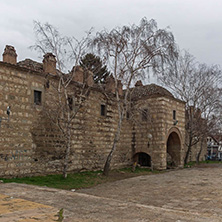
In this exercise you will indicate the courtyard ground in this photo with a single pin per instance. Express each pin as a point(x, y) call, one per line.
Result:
point(193, 194)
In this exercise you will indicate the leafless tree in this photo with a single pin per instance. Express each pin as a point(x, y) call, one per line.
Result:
point(66, 97)
point(129, 52)
point(199, 86)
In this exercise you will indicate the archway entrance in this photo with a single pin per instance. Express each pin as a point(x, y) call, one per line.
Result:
point(173, 150)
point(143, 159)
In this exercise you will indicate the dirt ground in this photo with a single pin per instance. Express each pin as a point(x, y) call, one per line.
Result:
point(193, 194)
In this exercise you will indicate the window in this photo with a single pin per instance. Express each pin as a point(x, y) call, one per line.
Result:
point(70, 101)
point(144, 114)
point(127, 115)
point(174, 114)
point(103, 110)
point(37, 97)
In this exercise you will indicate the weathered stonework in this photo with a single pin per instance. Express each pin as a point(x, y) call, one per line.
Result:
point(31, 145)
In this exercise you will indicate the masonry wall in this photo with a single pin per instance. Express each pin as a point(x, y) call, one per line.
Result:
point(151, 136)
point(92, 137)
point(196, 149)
point(32, 145)
point(16, 144)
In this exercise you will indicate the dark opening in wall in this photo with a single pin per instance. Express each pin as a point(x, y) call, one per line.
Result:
point(127, 115)
point(174, 115)
point(144, 114)
point(103, 110)
point(37, 97)
point(70, 101)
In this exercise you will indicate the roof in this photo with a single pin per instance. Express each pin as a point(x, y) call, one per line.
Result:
point(140, 92)
point(34, 66)
point(30, 64)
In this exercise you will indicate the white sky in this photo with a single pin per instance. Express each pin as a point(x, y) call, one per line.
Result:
point(196, 24)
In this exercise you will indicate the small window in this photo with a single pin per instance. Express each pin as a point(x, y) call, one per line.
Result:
point(37, 97)
point(103, 110)
point(144, 114)
point(70, 101)
point(174, 114)
point(127, 115)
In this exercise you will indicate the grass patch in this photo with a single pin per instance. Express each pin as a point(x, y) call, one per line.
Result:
point(193, 163)
point(60, 215)
point(211, 161)
point(73, 181)
point(190, 164)
point(138, 170)
point(82, 179)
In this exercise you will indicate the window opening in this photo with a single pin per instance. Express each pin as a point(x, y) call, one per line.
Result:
point(70, 101)
point(37, 97)
point(174, 114)
point(103, 110)
point(144, 114)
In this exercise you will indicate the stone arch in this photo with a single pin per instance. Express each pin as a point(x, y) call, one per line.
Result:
point(143, 159)
point(174, 146)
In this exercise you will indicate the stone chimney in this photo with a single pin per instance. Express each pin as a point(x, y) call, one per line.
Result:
point(89, 78)
point(9, 55)
point(139, 83)
point(49, 63)
point(79, 74)
point(110, 84)
point(198, 113)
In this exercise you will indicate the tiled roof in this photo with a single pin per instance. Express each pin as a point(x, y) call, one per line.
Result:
point(140, 92)
point(32, 65)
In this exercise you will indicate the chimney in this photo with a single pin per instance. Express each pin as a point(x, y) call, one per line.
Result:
point(139, 83)
point(9, 55)
point(49, 63)
point(89, 78)
point(110, 84)
point(79, 74)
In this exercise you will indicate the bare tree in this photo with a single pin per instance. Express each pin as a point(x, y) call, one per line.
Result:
point(198, 85)
point(129, 52)
point(66, 97)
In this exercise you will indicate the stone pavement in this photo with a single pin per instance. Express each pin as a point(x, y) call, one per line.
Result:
point(181, 196)
point(14, 209)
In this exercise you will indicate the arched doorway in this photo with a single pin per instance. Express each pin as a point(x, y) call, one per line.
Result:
point(173, 149)
point(143, 159)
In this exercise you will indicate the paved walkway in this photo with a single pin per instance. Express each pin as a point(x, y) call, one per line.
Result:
point(181, 196)
point(14, 209)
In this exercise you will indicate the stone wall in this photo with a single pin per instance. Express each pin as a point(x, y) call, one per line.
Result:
point(15, 135)
point(151, 135)
point(30, 144)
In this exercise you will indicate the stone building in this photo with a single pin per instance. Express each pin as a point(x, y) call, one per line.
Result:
point(153, 132)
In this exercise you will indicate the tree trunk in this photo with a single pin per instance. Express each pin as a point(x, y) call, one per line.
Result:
point(201, 148)
point(188, 150)
point(108, 161)
point(106, 168)
point(68, 147)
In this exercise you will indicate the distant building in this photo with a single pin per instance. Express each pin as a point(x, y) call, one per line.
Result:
point(214, 147)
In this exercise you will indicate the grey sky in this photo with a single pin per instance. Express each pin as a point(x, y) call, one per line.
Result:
point(196, 24)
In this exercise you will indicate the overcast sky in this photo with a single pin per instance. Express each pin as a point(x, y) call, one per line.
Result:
point(196, 24)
